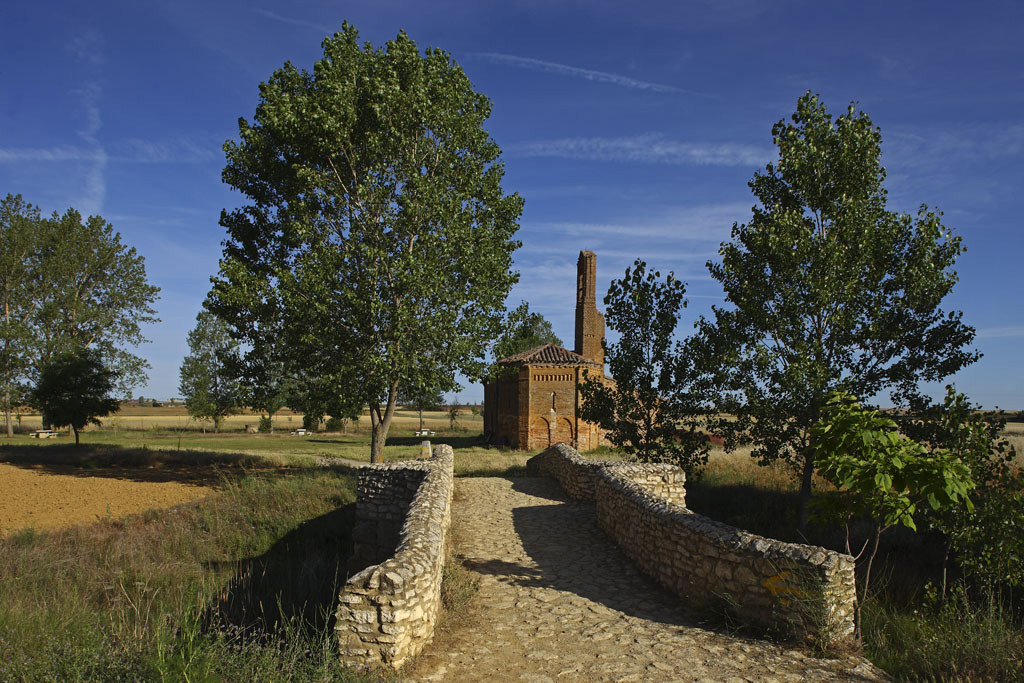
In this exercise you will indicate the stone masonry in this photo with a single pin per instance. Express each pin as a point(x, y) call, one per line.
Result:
point(387, 612)
point(803, 590)
point(559, 602)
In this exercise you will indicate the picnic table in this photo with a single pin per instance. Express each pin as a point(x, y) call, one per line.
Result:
point(300, 432)
point(424, 432)
point(45, 434)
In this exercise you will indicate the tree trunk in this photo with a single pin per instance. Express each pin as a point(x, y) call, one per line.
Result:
point(421, 418)
point(75, 430)
point(805, 492)
point(7, 410)
point(380, 423)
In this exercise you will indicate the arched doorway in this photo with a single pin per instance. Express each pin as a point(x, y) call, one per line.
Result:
point(540, 434)
point(563, 431)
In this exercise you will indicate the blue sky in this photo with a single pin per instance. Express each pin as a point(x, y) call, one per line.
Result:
point(629, 128)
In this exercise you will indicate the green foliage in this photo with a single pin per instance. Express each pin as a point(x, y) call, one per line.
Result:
point(880, 474)
point(207, 381)
point(378, 239)
point(986, 540)
point(266, 424)
point(93, 292)
point(74, 389)
point(651, 411)
point(19, 226)
point(829, 291)
point(523, 330)
point(67, 283)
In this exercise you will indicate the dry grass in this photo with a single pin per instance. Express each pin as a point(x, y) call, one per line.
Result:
point(176, 418)
point(1014, 433)
point(235, 587)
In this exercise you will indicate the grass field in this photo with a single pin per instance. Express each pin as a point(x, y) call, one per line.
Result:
point(134, 418)
point(238, 586)
point(209, 589)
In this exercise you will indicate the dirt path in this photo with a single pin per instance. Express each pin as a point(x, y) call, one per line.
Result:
point(54, 496)
point(557, 602)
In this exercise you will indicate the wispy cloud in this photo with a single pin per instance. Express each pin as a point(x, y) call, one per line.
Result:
point(532, 64)
point(653, 149)
point(182, 150)
point(705, 222)
point(87, 49)
point(327, 30)
point(1001, 332)
point(132, 150)
point(12, 155)
point(972, 143)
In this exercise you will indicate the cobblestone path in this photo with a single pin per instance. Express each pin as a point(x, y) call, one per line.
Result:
point(557, 602)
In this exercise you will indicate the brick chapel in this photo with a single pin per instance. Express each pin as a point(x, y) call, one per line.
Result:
point(538, 405)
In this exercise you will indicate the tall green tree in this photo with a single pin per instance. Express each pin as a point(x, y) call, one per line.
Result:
point(523, 330)
point(67, 283)
point(829, 290)
point(74, 389)
point(208, 382)
point(653, 409)
point(92, 292)
point(377, 226)
point(19, 235)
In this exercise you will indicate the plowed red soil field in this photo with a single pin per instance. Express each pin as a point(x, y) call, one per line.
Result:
point(54, 496)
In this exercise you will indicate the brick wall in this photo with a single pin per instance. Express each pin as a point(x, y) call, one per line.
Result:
point(589, 322)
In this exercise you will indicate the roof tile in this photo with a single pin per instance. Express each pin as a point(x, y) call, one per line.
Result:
point(548, 354)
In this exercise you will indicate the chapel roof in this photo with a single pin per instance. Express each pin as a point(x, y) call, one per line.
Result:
point(548, 355)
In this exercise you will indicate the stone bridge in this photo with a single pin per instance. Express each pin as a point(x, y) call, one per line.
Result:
point(559, 599)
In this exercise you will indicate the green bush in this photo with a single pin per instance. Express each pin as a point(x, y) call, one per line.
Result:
point(266, 425)
point(335, 424)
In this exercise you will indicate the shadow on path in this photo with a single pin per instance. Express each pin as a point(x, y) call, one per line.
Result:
point(573, 555)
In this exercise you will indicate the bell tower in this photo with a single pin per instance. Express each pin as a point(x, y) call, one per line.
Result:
point(589, 322)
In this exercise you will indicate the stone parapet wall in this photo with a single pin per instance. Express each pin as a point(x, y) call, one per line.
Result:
point(387, 612)
point(578, 475)
point(806, 591)
point(384, 494)
point(666, 483)
point(575, 473)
